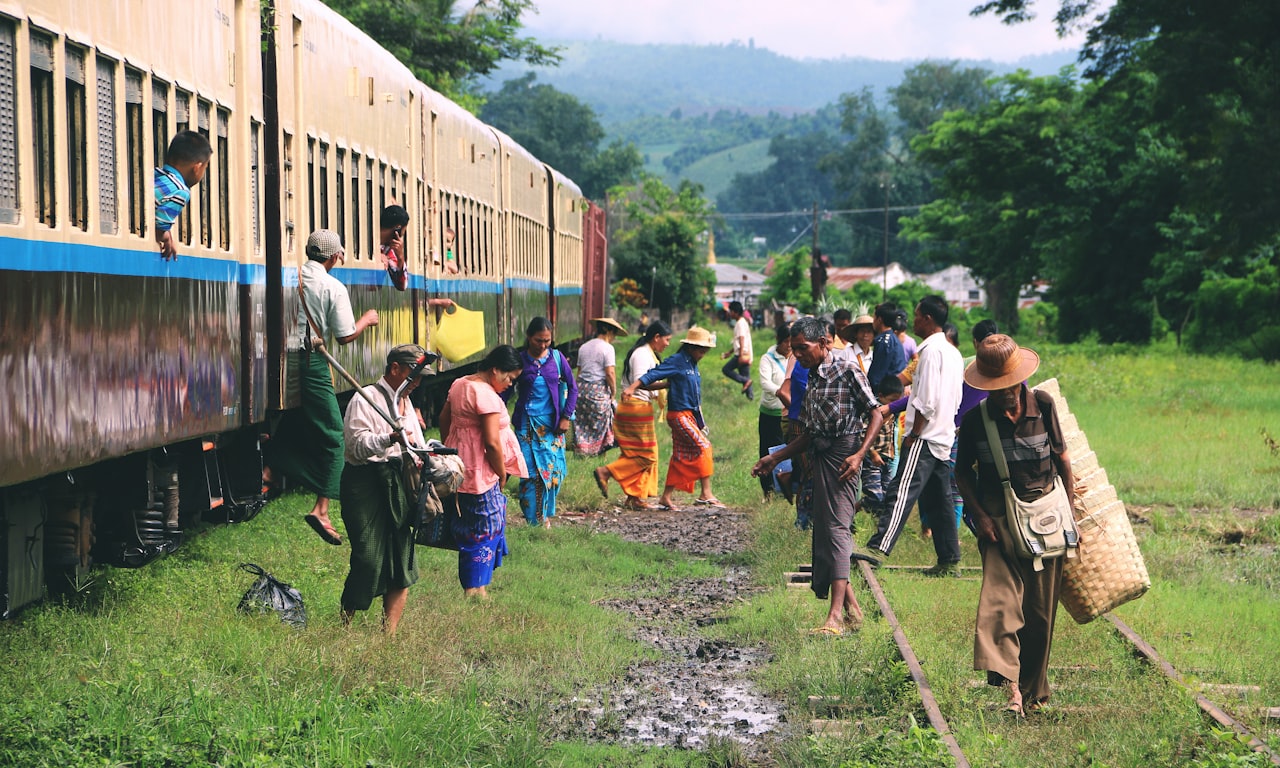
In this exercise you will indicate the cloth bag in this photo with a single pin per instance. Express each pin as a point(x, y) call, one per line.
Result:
point(1038, 530)
point(458, 334)
point(270, 594)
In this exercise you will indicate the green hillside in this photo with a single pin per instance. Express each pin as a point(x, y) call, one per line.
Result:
point(714, 172)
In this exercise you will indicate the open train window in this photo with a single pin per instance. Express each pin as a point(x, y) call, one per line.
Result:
point(203, 110)
point(355, 205)
point(323, 181)
point(368, 206)
point(311, 185)
point(395, 191)
point(255, 154)
point(8, 122)
point(42, 125)
point(290, 199)
point(77, 139)
point(340, 191)
point(135, 150)
point(181, 122)
point(108, 218)
point(224, 181)
point(160, 121)
point(382, 189)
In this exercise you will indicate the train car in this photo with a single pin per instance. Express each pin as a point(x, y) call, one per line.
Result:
point(137, 388)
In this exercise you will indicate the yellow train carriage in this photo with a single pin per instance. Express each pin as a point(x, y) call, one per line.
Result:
point(567, 208)
point(526, 236)
point(465, 164)
point(349, 135)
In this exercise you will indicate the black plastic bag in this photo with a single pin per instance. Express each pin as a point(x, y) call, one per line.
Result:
point(270, 594)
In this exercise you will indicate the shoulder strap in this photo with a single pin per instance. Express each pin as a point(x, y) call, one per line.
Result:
point(311, 321)
point(993, 440)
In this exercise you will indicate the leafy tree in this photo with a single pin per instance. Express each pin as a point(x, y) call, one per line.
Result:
point(788, 282)
point(658, 237)
point(445, 48)
point(1004, 170)
point(561, 131)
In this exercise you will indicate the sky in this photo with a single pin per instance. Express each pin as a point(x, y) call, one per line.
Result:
point(818, 29)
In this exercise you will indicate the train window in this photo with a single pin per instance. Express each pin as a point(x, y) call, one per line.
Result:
point(340, 191)
point(368, 206)
point(135, 150)
point(355, 204)
point(77, 140)
point(323, 181)
point(422, 230)
point(203, 110)
point(382, 189)
point(107, 201)
point(255, 140)
point(42, 125)
point(224, 181)
point(291, 202)
point(395, 189)
point(311, 185)
point(181, 122)
point(8, 122)
point(159, 121)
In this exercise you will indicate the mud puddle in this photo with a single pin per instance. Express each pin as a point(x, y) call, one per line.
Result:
point(698, 691)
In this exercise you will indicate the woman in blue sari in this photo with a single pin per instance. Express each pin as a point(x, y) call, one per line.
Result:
point(545, 402)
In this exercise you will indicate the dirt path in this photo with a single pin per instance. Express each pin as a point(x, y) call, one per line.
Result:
point(698, 690)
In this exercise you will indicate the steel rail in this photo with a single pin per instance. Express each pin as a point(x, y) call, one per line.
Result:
point(931, 708)
point(1219, 715)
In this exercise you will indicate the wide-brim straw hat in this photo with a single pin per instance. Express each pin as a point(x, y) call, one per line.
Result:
point(850, 332)
point(699, 337)
point(1000, 364)
point(609, 321)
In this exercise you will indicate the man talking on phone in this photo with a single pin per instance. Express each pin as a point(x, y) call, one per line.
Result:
point(395, 219)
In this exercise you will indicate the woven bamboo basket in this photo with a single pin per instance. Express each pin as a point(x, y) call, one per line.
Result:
point(1108, 570)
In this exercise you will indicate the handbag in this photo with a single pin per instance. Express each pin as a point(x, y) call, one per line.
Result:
point(1039, 530)
point(458, 334)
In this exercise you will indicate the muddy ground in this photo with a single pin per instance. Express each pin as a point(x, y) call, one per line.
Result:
point(698, 691)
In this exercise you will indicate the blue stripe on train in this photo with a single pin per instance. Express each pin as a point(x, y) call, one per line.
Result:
point(20, 255)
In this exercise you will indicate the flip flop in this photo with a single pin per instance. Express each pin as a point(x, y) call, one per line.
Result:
point(326, 531)
point(666, 508)
point(711, 502)
point(827, 631)
point(639, 506)
point(601, 483)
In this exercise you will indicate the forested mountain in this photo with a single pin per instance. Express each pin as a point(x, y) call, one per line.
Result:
point(625, 82)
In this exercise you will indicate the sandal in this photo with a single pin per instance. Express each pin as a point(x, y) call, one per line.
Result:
point(711, 502)
point(666, 508)
point(326, 530)
point(828, 631)
point(637, 505)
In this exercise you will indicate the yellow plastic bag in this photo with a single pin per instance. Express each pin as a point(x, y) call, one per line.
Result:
point(459, 334)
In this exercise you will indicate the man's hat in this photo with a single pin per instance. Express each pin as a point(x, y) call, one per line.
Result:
point(699, 337)
point(609, 321)
point(850, 332)
point(322, 244)
point(1000, 364)
point(410, 355)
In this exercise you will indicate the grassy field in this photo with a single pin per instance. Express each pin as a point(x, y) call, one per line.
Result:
point(155, 667)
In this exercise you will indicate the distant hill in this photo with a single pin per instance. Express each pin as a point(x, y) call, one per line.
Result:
point(624, 82)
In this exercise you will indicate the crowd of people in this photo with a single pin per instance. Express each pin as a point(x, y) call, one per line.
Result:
point(853, 414)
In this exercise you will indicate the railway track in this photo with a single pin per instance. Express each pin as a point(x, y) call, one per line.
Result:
point(1138, 645)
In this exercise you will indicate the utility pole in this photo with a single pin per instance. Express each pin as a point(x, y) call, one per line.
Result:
point(815, 227)
point(887, 187)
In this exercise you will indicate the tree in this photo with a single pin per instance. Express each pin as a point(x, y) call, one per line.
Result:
point(1004, 171)
point(563, 132)
point(446, 49)
point(658, 238)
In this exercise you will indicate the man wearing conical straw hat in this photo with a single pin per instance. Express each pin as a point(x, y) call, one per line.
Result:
point(1017, 606)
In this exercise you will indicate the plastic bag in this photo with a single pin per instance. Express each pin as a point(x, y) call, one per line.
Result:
point(459, 334)
point(270, 594)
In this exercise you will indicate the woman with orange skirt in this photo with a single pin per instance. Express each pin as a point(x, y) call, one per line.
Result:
point(636, 470)
point(691, 460)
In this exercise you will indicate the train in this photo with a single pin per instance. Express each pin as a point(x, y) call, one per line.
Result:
point(139, 391)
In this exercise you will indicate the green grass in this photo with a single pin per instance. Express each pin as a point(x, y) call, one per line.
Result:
point(714, 172)
point(154, 667)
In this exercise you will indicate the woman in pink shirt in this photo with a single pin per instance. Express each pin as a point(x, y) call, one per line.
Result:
point(475, 421)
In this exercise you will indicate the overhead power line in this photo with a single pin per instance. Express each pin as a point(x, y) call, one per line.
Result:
point(788, 214)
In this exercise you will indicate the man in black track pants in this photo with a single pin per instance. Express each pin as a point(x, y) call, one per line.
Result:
point(924, 470)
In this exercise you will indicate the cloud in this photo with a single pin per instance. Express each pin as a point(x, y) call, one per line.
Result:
point(877, 29)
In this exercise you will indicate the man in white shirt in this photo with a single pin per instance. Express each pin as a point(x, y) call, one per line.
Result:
point(924, 471)
point(376, 508)
point(740, 354)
